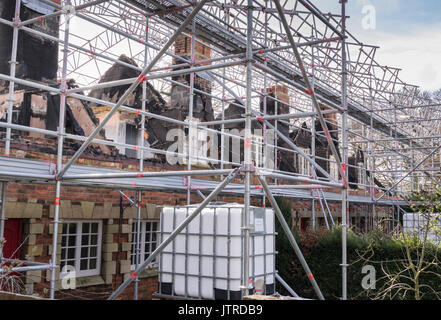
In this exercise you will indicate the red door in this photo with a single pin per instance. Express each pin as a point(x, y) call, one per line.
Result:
point(304, 224)
point(13, 236)
point(11, 249)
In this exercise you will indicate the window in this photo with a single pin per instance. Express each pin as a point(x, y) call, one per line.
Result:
point(361, 177)
point(148, 239)
point(131, 138)
point(128, 134)
point(301, 164)
point(81, 247)
point(257, 150)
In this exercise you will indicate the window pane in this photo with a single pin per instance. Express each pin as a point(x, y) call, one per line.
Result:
point(63, 253)
point(92, 264)
point(94, 240)
point(93, 252)
point(86, 227)
point(64, 228)
point(63, 241)
point(84, 252)
point(83, 264)
point(154, 236)
point(72, 228)
point(72, 241)
point(84, 240)
point(94, 227)
point(71, 253)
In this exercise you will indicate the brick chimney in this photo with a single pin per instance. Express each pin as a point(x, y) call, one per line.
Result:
point(180, 97)
point(280, 92)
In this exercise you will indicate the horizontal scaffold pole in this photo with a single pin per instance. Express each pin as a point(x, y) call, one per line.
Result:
point(300, 179)
point(273, 117)
point(147, 174)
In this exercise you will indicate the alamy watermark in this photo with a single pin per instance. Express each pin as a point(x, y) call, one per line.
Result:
point(68, 277)
point(369, 19)
point(369, 280)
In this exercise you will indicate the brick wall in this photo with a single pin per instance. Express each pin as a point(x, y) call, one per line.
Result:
point(358, 214)
point(34, 204)
point(183, 48)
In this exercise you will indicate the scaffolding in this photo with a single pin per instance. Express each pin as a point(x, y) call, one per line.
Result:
point(255, 44)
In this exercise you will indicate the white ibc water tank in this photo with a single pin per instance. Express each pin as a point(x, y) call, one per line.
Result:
point(205, 259)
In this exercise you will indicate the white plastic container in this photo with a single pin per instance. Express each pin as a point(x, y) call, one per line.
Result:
point(205, 259)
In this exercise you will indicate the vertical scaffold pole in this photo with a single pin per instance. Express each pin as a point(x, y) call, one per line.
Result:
point(247, 152)
point(13, 65)
point(141, 166)
point(192, 129)
point(344, 204)
point(62, 112)
point(13, 62)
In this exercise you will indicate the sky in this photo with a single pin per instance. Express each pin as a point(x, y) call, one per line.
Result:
point(408, 33)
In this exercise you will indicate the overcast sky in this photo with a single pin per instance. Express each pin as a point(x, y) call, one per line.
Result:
point(407, 31)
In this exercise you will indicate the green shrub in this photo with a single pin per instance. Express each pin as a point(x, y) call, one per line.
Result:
point(323, 250)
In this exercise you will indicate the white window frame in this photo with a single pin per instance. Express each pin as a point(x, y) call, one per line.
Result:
point(78, 246)
point(361, 176)
point(303, 165)
point(122, 136)
point(143, 223)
